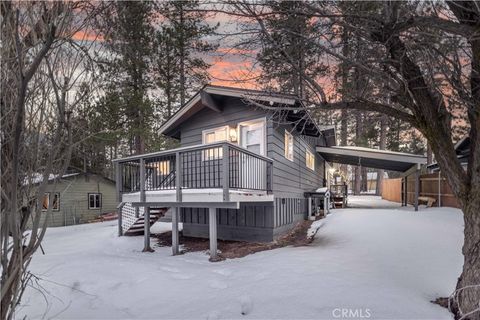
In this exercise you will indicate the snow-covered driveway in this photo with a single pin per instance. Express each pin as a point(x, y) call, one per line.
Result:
point(382, 263)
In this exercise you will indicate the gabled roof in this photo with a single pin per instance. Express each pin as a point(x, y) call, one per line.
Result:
point(205, 99)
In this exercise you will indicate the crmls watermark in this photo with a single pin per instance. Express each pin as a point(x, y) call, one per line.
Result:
point(351, 313)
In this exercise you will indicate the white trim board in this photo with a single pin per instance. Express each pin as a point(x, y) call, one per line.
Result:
point(374, 154)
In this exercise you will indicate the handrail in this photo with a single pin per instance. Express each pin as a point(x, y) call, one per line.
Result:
point(215, 165)
point(190, 148)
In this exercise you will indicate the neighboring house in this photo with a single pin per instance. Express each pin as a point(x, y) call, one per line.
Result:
point(371, 181)
point(462, 149)
point(78, 198)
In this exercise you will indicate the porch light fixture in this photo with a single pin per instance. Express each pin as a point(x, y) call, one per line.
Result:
point(233, 134)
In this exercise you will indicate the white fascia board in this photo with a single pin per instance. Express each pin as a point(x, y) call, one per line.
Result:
point(375, 154)
point(249, 94)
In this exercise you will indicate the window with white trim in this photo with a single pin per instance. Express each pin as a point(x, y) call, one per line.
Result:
point(94, 200)
point(310, 160)
point(288, 145)
point(211, 136)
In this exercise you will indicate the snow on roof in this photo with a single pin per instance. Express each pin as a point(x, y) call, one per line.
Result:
point(37, 177)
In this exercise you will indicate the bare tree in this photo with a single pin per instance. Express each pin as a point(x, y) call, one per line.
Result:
point(426, 54)
point(40, 68)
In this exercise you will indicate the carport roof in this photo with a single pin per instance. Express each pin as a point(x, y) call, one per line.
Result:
point(372, 158)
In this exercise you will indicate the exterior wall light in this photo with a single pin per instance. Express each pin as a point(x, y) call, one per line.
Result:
point(233, 134)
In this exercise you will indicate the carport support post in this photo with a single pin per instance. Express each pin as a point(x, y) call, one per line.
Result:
point(212, 225)
point(417, 187)
point(175, 247)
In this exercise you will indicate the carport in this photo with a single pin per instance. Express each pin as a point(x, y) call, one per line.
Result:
point(378, 159)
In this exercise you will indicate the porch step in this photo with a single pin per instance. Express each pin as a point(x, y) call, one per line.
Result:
point(137, 228)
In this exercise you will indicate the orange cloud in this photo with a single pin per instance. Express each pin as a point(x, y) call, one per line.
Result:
point(234, 73)
point(86, 36)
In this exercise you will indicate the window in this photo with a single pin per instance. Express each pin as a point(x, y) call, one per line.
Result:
point(288, 145)
point(163, 167)
point(310, 160)
point(212, 136)
point(55, 201)
point(252, 135)
point(94, 200)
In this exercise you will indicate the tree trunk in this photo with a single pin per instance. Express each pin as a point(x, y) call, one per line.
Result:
point(182, 58)
point(343, 137)
point(468, 285)
point(381, 145)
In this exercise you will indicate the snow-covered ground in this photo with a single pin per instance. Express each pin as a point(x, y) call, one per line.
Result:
point(382, 263)
point(370, 201)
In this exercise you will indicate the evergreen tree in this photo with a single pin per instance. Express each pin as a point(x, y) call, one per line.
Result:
point(180, 42)
point(289, 31)
point(128, 37)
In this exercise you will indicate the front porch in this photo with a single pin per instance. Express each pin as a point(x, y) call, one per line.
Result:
point(210, 176)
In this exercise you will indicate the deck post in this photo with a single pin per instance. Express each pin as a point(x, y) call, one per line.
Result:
point(118, 186)
point(178, 176)
point(175, 242)
point(146, 220)
point(417, 187)
point(226, 172)
point(405, 191)
point(146, 210)
point(212, 226)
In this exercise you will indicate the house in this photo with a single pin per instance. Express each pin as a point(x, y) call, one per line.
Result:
point(247, 162)
point(247, 155)
point(77, 198)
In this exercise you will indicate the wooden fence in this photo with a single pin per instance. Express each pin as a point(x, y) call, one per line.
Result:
point(429, 187)
point(392, 189)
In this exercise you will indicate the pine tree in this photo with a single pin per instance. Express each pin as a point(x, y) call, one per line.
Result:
point(179, 43)
point(290, 31)
point(128, 37)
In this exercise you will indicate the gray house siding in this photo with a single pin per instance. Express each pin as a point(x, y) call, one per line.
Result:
point(74, 199)
point(256, 222)
point(252, 222)
point(234, 111)
point(292, 178)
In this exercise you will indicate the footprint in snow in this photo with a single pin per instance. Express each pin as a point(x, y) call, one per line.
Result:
point(169, 269)
point(246, 304)
point(223, 272)
point(182, 276)
point(215, 284)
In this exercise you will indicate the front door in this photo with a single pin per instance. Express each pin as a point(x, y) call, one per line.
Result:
point(253, 170)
